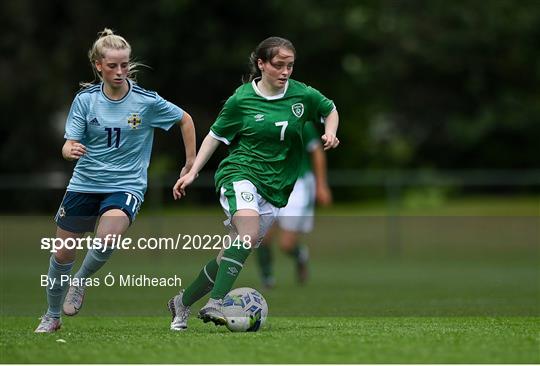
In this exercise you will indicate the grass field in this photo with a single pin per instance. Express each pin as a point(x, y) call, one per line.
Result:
point(286, 340)
point(460, 284)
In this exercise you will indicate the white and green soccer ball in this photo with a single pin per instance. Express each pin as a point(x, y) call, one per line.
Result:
point(246, 310)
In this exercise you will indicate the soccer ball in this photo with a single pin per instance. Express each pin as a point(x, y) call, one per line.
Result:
point(245, 310)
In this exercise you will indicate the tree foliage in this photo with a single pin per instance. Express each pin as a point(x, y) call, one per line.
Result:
point(418, 83)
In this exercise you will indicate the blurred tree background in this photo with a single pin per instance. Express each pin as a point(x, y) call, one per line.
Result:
point(419, 84)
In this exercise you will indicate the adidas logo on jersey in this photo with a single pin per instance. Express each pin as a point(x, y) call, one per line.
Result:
point(259, 117)
point(94, 122)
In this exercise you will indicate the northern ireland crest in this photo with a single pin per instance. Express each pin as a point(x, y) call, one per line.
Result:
point(134, 120)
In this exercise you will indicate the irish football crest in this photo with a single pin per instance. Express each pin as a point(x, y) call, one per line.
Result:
point(134, 120)
point(247, 196)
point(298, 109)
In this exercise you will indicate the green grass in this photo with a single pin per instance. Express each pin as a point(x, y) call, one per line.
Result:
point(458, 284)
point(285, 340)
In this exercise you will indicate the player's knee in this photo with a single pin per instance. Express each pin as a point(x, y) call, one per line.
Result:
point(246, 223)
point(64, 255)
point(113, 221)
point(288, 242)
point(287, 248)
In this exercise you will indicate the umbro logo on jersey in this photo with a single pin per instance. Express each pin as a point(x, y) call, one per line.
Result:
point(232, 271)
point(94, 122)
point(259, 117)
point(298, 109)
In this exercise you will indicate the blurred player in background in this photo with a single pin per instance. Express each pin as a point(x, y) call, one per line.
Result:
point(262, 123)
point(109, 132)
point(297, 218)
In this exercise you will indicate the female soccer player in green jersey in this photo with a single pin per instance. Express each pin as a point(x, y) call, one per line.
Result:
point(109, 133)
point(262, 124)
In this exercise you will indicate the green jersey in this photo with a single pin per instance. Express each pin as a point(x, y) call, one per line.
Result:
point(311, 140)
point(264, 135)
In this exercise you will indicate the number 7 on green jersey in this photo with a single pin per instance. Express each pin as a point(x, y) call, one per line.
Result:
point(283, 125)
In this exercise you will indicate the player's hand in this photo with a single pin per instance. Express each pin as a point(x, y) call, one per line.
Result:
point(330, 141)
point(179, 189)
point(74, 151)
point(323, 195)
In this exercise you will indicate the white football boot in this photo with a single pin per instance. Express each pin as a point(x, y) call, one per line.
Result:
point(48, 324)
point(74, 300)
point(179, 312)
point(211, 312)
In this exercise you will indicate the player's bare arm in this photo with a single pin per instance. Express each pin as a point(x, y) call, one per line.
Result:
point(208, 146)
point(330, 140)
point(187, 128)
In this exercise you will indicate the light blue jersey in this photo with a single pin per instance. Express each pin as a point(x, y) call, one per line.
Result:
point(118, 136)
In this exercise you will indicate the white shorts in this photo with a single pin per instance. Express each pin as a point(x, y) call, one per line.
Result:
point(243, 195)
point(298, 214)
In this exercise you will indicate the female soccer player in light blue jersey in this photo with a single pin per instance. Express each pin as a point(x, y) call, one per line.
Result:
point(262, 123)
point(109, 132)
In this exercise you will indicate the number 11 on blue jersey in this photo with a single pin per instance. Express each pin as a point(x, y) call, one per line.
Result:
point(109, 136)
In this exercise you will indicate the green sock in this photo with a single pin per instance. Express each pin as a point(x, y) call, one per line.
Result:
point(202, 285)
point(231, 264)
point(265, 260)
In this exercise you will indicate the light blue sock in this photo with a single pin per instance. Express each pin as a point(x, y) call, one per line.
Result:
point(94, 260)
point(55, 295)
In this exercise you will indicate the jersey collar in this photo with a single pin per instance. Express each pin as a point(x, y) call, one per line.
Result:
point(272, 97)
point(119, 100)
